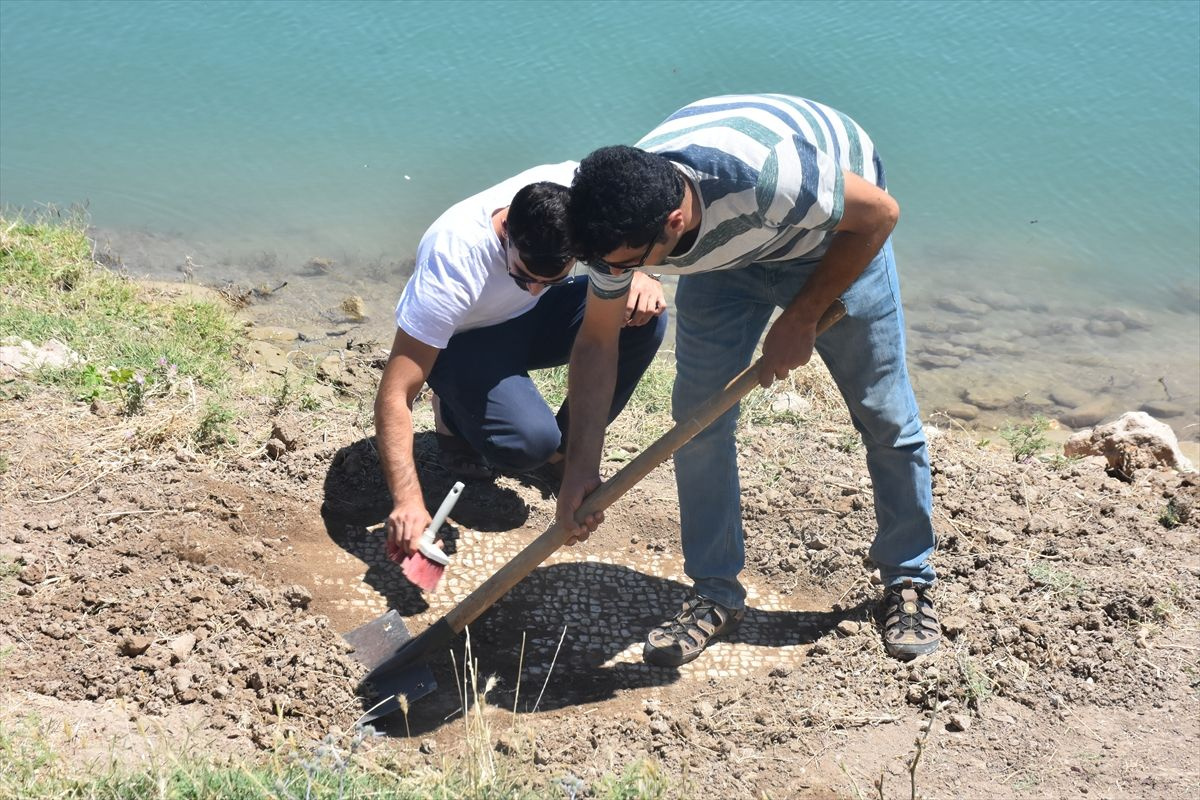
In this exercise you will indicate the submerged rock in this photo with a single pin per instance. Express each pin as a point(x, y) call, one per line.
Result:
point(1089, 413)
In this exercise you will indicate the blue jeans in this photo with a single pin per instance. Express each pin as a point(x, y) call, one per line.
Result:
point(720, 317)
point(488, 399)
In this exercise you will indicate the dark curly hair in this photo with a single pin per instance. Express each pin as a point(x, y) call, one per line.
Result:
point(537, 225)
point(620, 197)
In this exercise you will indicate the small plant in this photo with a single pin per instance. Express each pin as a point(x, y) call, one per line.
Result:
point(283, 395)
point(132, 387)
point(214, 429)
point(3, 464)
point(1170, 516)
point(1059, 462)
point(1027, 440)
point(91, 384)
point(983, 443)
point(848, 442)
point(977, 686)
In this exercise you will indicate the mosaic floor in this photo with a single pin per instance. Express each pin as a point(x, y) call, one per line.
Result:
point(582, 610)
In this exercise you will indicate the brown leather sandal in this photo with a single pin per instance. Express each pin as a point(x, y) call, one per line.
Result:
point(683, 637)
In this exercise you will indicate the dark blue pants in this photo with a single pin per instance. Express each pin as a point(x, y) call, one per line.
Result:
point(487, 397)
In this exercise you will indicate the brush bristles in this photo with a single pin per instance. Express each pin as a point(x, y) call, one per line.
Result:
point(422, 572)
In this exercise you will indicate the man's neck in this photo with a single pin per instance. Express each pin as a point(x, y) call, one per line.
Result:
point(692, 216)
point(499, 217)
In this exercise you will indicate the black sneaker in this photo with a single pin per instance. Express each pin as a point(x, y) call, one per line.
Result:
point(683, 637)
point(910, 625)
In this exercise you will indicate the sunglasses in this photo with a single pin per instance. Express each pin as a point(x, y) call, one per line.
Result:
point(641, 261)
point(524, 280)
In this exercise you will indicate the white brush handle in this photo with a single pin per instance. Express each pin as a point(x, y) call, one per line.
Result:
point(430, 534)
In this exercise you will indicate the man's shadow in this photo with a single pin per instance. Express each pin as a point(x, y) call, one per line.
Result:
point(571, 634)
point(356, 497)
point(566, 635)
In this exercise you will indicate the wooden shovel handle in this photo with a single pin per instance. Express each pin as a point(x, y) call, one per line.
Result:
point(611, 490)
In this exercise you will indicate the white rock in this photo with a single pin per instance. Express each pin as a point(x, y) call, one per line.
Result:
point(1134, 441)
point(790, 403)
point(21, 355)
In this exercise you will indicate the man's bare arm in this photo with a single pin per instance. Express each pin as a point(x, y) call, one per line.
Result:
point(868, 217)
point(405, 373)
point(592, 376)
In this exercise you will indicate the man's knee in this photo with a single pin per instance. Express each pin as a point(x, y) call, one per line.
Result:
point(524, 449)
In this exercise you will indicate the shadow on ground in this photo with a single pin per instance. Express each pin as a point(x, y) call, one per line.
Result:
point(553, 641)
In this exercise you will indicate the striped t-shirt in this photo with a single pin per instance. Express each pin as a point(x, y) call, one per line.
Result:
point(768, 172)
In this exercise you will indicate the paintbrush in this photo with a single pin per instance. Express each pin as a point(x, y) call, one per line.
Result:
point(425, 566)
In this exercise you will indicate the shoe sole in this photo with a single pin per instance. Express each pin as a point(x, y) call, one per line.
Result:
point(906, 652)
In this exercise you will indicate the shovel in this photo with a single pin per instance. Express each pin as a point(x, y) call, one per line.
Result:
point(399, 674)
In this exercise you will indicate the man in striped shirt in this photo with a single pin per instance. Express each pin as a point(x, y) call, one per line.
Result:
point(757, 202)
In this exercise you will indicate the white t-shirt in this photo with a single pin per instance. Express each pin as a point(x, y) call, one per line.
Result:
point(460, 281)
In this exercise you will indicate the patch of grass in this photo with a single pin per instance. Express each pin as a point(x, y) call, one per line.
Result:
point(848, 442)
point(977, 686)
point(337, 769)
point(1027, 440)
point(1045, 574)
point(1170, 516)
point(9, 568)
point(641, 779)
point(650, 402)
point(1059, 462)
point(50, 288)
point(214, 429)
point(3, 464)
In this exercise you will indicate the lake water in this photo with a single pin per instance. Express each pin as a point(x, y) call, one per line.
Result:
point(1046, 156)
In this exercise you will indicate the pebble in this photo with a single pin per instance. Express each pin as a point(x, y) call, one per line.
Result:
point(355, 308)
point(297, 596)
point(1000, 536)
point(959, 722)
point(791, 403)
point(135, 645)
point(181, 646)
point(848, 627)
point(954, 625)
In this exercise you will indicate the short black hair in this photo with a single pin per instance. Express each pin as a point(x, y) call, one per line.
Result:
point(537, 225)
point(620, 197)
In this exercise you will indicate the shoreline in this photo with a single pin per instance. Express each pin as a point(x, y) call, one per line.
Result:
point(978, 359)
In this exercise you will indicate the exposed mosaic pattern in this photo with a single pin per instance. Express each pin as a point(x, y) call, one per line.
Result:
point(606, 604)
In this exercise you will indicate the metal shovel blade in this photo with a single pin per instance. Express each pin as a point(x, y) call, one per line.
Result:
point(374, 643)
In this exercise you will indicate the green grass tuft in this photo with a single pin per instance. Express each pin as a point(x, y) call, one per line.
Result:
point(50, 288)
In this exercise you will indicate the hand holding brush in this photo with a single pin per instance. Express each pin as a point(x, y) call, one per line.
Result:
point(425, 566)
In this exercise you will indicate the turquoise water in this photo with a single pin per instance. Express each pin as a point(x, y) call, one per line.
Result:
point(1051, 150)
